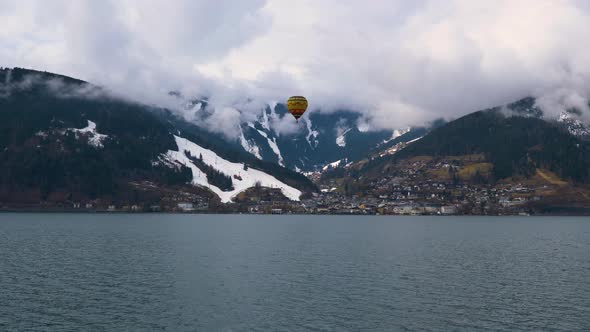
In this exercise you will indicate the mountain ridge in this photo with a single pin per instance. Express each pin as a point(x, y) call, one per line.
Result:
point(61, 139)
point(321, 139)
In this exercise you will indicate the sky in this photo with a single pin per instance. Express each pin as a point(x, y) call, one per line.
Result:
point(396, 62)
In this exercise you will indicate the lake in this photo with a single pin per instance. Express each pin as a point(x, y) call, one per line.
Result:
point(72, 272)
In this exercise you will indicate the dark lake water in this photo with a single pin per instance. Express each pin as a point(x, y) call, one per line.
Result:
point(70, 272)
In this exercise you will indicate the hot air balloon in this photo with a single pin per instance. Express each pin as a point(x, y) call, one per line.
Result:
point(297, 105)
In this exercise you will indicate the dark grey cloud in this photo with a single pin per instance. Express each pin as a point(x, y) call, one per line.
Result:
point(397, 62)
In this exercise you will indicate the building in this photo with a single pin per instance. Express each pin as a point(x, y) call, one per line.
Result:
point(448, 209)
point(186, 207)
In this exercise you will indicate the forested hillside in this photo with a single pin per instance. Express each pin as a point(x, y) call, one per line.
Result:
point(63, 138)
point(513, 144)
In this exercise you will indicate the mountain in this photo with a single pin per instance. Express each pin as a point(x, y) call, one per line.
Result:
point(65, 140)
point(570, 118)
point(574, 125)
point(327, 139)
point(322, 138)
point(502, 160)
point(514, 144)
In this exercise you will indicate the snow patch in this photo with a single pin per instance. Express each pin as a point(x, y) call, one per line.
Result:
point(265, 123)
point(392, 150)
point(41, 133)
point(573, 125)
point(273, 145)
point(311, 133)
point(249, 176)
point(399, 146)
point(94, 138)
point(414, 140)
point(341, 140)
point(397, 133)
point(332, 165)
point(249, 147)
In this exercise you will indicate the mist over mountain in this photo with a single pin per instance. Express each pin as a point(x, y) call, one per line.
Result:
point(344, 136)
point(65, 140)
point(399, 65)
point(514, 139)
point(316, 140)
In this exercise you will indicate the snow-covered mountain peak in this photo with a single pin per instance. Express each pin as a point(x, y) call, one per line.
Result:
point(316, 140)
point(575, 126)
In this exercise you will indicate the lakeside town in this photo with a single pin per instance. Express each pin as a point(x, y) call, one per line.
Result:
point(387, 196)
point(420, 186)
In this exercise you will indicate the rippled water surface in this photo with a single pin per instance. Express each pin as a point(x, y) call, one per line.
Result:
point(68, 272)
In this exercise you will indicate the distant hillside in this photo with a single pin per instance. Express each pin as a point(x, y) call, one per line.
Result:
point(513, 140)
point(64, 139)
point(514, 145)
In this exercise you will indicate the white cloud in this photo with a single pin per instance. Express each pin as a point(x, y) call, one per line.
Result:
point(398, 62)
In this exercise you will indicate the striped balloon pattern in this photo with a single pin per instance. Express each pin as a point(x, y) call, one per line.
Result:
point(297, 105)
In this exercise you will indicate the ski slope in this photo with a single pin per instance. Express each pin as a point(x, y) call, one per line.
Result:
point(248, 177)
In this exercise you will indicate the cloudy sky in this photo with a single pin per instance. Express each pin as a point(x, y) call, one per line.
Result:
point(398, 62)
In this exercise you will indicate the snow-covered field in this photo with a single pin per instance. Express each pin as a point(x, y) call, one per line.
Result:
point(248, 177)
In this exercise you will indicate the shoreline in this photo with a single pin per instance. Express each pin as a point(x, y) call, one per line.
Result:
point(68, 211)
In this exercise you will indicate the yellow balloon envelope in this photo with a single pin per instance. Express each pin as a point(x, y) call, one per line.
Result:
point(297, 105)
